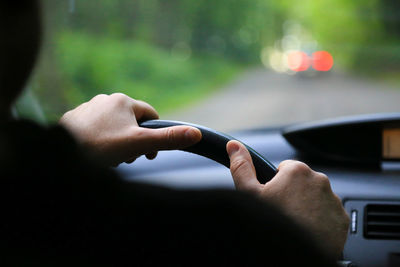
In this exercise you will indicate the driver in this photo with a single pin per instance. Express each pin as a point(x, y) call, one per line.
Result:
point(62, 205)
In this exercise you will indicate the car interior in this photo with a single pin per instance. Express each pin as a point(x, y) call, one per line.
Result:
point(278, 76)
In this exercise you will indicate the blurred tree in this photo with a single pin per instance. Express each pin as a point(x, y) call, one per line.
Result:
point(390, 15)
point(234, 28)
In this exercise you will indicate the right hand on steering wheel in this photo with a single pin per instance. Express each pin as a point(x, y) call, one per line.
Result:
point(303, 194)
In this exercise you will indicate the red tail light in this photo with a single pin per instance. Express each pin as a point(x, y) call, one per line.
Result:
point(322, 61)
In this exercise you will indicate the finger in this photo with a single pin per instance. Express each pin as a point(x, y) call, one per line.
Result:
point(242, 168)
point(147, 140)
point(144, 111)
point(151, 156)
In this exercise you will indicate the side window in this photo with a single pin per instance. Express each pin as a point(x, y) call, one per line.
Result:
point(28, 107)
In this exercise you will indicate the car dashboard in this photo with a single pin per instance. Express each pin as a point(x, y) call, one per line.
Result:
point(371, 196)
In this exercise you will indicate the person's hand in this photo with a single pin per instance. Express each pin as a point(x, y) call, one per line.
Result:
point(107, 126)
point(303, 194)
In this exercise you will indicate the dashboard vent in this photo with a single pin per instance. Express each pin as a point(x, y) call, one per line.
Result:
point(382, 221)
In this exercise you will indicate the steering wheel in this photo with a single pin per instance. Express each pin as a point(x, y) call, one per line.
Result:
point(213, 146)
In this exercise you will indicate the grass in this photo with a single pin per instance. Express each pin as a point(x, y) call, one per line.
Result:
point(90, 65)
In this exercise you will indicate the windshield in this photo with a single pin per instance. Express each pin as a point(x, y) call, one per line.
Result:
point(225, 64)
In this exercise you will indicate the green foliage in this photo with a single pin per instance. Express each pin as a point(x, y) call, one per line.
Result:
point(233, 28)
point(137, 69)
point(240, 29)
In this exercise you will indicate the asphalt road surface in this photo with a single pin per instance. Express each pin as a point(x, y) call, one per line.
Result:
point(261, 98)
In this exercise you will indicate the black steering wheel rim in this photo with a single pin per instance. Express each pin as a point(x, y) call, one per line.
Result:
point(213, 146)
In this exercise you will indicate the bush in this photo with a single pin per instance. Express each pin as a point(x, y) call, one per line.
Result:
point(91, 65)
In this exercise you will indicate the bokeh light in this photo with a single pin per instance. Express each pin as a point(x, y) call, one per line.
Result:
point(322, 61)
point(276, 59)
point(298, 61)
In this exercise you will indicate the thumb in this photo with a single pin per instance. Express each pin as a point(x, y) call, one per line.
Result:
point(169, 138)
point(242, 168)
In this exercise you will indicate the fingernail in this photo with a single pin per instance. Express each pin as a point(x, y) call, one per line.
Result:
point(233, 148)
point(192, 133)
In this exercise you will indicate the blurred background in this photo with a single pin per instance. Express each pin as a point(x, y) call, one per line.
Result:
point(226, 64)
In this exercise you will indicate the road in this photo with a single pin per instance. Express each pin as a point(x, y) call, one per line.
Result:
point(260, 98)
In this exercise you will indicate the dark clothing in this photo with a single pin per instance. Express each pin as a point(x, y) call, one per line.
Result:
point(58, 208)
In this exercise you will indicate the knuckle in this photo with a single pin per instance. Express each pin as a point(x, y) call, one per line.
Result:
point(138, 132)
point(118, 95)
point(99, 96)
point(323, 181)
point(238, 164)
point(322, 185)
point(171, 136)
point(119, 98)
point(297, 168)
point(302, 168)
